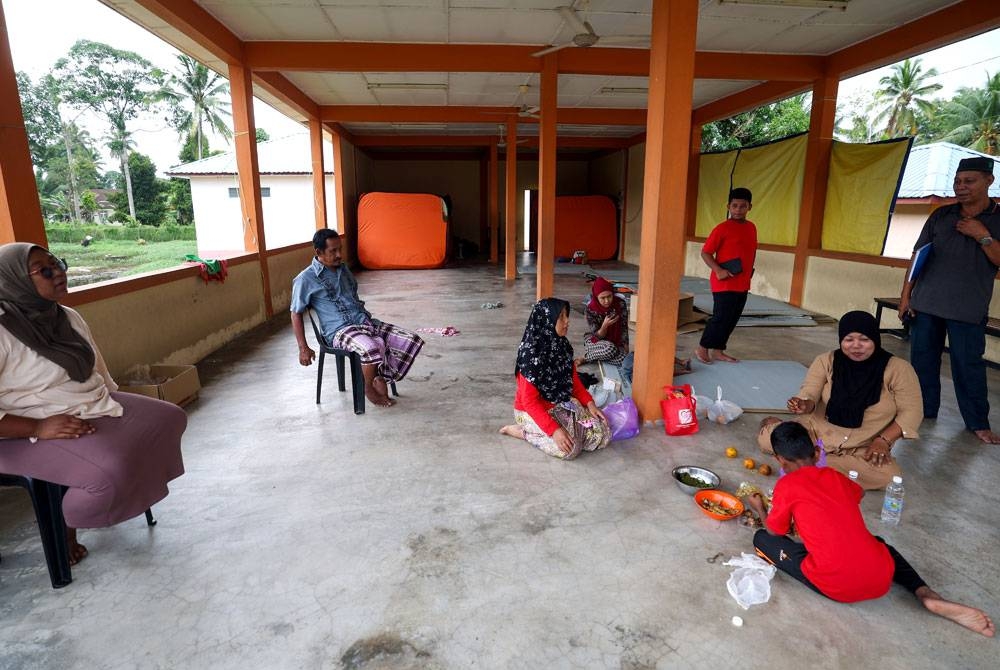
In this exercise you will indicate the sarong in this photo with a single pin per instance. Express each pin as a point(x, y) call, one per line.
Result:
point(391, 348)
point(587, 432)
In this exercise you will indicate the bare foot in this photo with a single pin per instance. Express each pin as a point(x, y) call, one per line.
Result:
point(723, 356)
point(513, 430)
point(376, 393)
point(988, 436)
point(682, 367)
point(77, 552)
point(973, 619)
point(767, 421)
point(703, 355)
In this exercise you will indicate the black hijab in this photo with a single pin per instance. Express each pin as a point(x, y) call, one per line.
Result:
point(544, 358)
point(857, 385)
point(42, 325)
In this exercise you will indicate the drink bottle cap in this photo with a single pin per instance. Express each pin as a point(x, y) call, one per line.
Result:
point(853, 474)
point(896, 479)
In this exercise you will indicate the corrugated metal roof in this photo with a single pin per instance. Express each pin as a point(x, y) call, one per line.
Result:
point(284, 155)
point(930, 170)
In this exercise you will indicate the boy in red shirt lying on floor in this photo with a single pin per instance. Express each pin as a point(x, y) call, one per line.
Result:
point(837, 557)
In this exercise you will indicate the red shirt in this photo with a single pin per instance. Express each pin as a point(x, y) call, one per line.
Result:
point(733, 239)
point(529, 400)
point(845, 561)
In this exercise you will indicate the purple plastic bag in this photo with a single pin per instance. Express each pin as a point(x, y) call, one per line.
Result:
point(623, 418)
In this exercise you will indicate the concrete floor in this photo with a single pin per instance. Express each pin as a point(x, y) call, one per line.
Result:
point(303, 536)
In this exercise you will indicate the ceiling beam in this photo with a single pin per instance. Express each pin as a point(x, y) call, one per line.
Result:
point(573, 141)
point(751, 98)
point(402, 57)
point(197, 24)
point(278, 85)
point(952, 24)
point(471, 114)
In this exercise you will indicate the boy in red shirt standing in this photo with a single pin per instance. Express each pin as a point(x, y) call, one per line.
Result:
point(837, 557)
point(730, 251)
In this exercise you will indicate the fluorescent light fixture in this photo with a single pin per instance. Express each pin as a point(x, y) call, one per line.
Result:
point(817, 4)
point(405, 86)
point(624, 90)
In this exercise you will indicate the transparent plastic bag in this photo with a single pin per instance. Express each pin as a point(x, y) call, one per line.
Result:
point(723, 411)
point(701, 403)
point(750, 583)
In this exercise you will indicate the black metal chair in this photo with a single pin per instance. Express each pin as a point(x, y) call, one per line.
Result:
point(357, 376)
point(46, 498)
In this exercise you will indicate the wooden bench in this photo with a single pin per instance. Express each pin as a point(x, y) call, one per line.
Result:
point(992, 324)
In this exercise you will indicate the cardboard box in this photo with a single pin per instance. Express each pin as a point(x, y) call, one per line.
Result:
point(178, 384)
point(685, 309)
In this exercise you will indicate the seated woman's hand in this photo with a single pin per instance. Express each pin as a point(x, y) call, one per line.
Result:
point(63, 426)
point(801, 405)
point(596, 411)
point(562, 440)
point(878, 452)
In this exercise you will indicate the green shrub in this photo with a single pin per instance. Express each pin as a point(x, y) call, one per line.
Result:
point(74, 233)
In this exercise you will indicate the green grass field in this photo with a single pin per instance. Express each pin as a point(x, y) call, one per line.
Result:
point(107, 259)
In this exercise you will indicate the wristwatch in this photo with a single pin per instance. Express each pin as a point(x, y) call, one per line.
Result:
point(985, 241)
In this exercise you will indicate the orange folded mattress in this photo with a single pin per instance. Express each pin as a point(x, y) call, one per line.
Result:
point(586, 222)
point(402, 231)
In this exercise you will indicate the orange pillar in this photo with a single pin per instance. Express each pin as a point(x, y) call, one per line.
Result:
point(668, 141)
point(817, 171)
point(694, 166)
point(20, 211)
point(510, 203)
point(245, 139)
point(546, 247)
point(319, 175)
point(338, 181)
point(494, 205)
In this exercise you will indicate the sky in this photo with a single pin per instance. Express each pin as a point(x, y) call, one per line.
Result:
point(37, 44)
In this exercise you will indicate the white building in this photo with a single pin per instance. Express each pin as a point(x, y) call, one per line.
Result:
point(286, 194)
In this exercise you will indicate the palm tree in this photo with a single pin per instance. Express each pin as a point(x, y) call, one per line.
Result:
point(120, 144)
point(204, 90)
point(974, 117)
point(903, 94)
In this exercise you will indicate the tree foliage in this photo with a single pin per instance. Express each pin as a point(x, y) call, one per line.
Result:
point(199, 96)
point(758, 126)
point(148, 191)
point(973, 117)
point(903, 97)
point(117, 84)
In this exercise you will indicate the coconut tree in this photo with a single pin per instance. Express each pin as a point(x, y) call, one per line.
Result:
point(201, 96)
point(974, 117)
point(903, 96)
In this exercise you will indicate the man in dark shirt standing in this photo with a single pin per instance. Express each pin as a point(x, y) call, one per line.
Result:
point(952, 293)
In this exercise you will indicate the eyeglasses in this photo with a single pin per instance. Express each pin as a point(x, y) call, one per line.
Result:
point(49, 271)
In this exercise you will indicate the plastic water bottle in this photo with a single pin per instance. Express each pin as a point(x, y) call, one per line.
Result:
point(892, 506)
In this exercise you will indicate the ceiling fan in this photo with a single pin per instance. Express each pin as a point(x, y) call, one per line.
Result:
point(524, 112)
point(502, 142)
point(585, 35)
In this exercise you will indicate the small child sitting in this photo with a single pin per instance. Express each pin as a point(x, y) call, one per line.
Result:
point(838, 557)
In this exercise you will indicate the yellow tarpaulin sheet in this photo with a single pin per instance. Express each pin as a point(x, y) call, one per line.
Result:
point(860, 191)
point(773, 172)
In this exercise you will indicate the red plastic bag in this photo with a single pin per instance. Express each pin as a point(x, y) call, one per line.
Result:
point(679, 416)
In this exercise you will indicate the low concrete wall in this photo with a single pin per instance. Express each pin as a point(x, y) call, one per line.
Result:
point(180, 319)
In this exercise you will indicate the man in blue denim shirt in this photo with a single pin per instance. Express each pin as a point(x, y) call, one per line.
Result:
point(330, 290)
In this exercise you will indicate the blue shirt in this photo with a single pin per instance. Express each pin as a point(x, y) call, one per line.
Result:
point(332, 295)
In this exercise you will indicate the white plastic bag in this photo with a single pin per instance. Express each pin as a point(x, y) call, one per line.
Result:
point(701, 403)
point(750, 582)
point(723, 411)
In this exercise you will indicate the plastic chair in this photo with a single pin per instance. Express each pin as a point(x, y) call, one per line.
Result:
point(357, 376)
point(46, 498)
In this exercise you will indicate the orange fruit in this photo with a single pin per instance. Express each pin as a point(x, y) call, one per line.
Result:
point(765, 470)
point(731, 452)
point(749, 464)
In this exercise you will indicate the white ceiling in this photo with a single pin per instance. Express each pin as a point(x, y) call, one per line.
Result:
point(728, 28)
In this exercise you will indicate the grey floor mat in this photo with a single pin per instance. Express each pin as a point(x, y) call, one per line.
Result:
point(557, 268)
point(756, 386)
point(775, 320)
